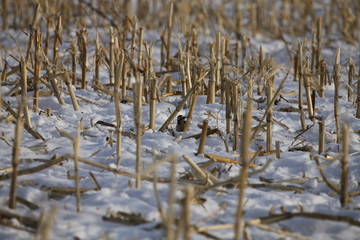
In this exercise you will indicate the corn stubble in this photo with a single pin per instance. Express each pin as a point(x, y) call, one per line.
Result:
point(230, 67)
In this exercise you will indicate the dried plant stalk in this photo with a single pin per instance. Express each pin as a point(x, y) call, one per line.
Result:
point(351, 74)
point(323, 76)
point(118, 75)
point(49, 23)
point(244, 44)
point(318, 41)
point(71, 91)
point(98, 51)
point(57, 40)
point(191, 112)
point(15, 154)
point(212, 81)
point(23, 80)
point(236, 115)
point(169, 30)
point(321, 137)
point(37, 68)
point(228, 102)
point(5, 9)
point(138, 124)
point(336, 76)
point(170, 225)
point(76, 148)
point(277, 145)
point(185, 224)
point(82, 42)
point(203, 137)
point(2, 79)
point(73, 51)
point(260, 71)
point(55, 88)
point(218, 59)
point(133, 40)
point(296, 66)
point(152, 85)
point(245, 143)
point(112, 57)
point(307, 86)
point(344, 182)
point(300, 69)
point(269, 117)
point(141, 39)
point(46, 220)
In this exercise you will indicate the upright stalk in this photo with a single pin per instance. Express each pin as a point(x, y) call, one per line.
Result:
point(336, 76)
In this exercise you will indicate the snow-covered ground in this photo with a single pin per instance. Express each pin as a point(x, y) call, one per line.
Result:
point(291, 182)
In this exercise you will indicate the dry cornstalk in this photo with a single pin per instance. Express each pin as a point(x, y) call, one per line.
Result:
point(117, 100)
point(82, 42)
point(157, 198)
point(203, 137)
point(138, 124)
point(98, 51)
point(49, 23)
point(76, 148)
point(57, 40)
point(2, 79)
point(277, 145)
point(37, 68)
point(296, 66)
point(269, 117)
point(141, 39)
point(218, 59)
point(224, 73)
point(236, 115)
point(5, 9)
point(228, 106)
point(54, 87)
point(15, 154)
point(245, 143)
point(169, 30)
point(307, 86)
point(32, 132)
point(257, 224)
point(301, 71)
point(133, 40)
point(336, 75)
point(112, 57)
point(199, 172)
point(318, 42)
point(344, 182)
point(185, 223)
point(23, 84)
point(44, 227)
point(71, 90)
point(170, 225)
point(351, 75)
point(244, 43)
point(191, 111)
point(260, 71)
point(212, 81)
point(152, 86)
point(73, 52)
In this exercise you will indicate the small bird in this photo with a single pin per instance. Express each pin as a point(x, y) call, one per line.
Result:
point(181, 120)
